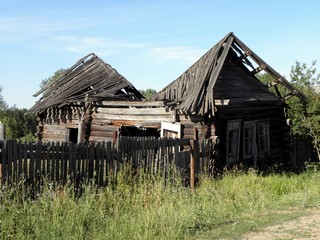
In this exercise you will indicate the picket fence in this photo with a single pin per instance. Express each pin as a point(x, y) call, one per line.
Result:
point(62, 162)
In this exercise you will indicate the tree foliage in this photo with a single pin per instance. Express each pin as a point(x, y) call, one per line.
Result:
point(3, 104)
point(306, 115)
point(57, 74)
point(304, 77)
point(19, 124)
point(148, 93)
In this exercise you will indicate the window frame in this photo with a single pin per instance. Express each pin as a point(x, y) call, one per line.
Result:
point(240, 141)
point(265, 124)
point(234, 147)
point(253, 144)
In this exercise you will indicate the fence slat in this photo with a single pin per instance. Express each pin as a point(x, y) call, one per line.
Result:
point(4, 168)
point(57, 162)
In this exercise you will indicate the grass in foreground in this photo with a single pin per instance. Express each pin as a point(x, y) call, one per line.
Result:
point(237, 203)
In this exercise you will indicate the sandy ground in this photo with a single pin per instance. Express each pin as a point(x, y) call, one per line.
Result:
point(306, 227)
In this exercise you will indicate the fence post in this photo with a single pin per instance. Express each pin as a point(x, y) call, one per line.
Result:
point(2, 132)
point(192, 164)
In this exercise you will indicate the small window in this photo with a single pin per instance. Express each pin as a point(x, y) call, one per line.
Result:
point(263, 137)
point(233, 137)
point(170, 130)
point(249, 139)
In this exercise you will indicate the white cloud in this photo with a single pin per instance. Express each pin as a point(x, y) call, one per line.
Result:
point(181, 53)
point(95, 44)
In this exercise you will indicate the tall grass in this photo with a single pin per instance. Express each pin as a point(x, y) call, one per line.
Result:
point(151, 209)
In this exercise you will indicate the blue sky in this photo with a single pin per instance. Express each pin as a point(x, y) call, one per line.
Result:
point(150, 43)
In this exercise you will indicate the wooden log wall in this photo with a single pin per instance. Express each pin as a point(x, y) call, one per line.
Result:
point(58, 133)
point(53, 124)
point(105, 121)
point(279, 131)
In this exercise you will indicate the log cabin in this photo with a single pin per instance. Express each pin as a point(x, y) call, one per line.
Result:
point(223, 99)
point(67, 109)
point(219, 97)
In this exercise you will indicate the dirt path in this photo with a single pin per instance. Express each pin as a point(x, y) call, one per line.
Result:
point(306, 227)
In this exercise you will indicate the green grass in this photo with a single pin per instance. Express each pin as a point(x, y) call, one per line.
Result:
point(224, 208)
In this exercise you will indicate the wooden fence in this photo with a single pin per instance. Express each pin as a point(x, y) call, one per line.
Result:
point(33, 163)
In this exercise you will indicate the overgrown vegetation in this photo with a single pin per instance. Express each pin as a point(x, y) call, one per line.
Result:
point(20, 124)
point(148, 93)
point(304, 116)
point(54, 77)
point(149, 209)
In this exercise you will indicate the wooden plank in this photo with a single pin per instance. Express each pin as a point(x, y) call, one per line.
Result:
point(57, 161)
point(133, 117)
point(79, 165)
point(15, 162)
point(66, 161)
point(85, 161)
point(109, 163)
point(20, 159)
point(192, 165)
point(38, 155)
point(49, 160)
point(101, 134)
point(107, 128)
point(132, 103)
point(177, 159)
point(9, 161)
point(4, 164)
point(72, 163)
point(97, 163)
point(134, 111)
point(91, 158)
point(25, 164)
point(31, 151)
point(102, 163)
point(44, 162)
point(53, 161)
point(99, 139)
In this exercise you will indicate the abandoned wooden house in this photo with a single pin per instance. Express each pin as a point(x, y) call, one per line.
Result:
point(218, 98)
point(66, 110)
point(223, 99)
point(93, 102)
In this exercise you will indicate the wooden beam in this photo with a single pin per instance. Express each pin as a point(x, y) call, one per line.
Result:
point(216, 71)
point(273, 83)
point(243, 54)
point(289, 95)
point(258, 69)
point(277, 91)
point(269, 69)
point(192, 164)
point(131, 103)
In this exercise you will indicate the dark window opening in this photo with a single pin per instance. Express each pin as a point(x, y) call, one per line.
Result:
point(130, 131)
point(254, 141)
point(233, 143)
point(73, 135)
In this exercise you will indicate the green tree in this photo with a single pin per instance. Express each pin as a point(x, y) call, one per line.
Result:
point(19, 123)
point(3, 104)
point(305, 116)
point(47, 81)
point(148, 93)
point(304, 77)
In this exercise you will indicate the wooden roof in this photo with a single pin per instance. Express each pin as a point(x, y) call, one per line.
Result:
point(90, 79)
point(194, 90)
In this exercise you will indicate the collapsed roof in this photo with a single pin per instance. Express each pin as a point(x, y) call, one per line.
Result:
point(194, 92)
point(90, 79)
